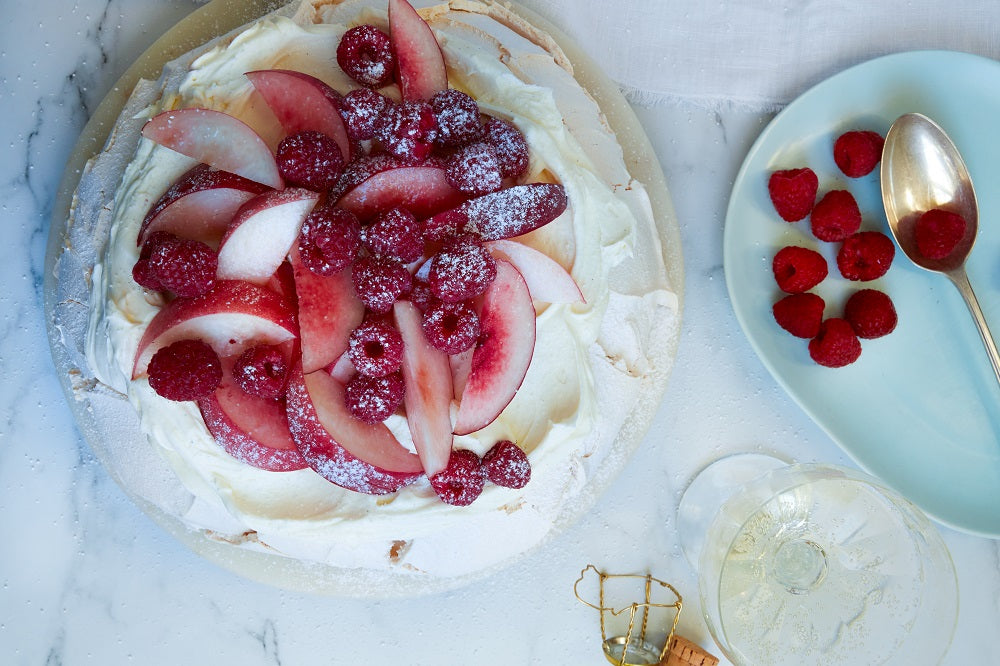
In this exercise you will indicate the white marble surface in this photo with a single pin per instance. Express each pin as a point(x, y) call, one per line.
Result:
point(86, 578)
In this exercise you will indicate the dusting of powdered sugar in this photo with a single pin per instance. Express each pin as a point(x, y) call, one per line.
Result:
point(513, 211)
point(407, 542)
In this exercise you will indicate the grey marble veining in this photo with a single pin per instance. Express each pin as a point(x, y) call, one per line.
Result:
point(87, 578)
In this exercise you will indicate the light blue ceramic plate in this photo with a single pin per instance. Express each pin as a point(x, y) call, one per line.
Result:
point(921, 407)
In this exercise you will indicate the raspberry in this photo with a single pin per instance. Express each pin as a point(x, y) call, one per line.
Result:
point(376, 348)
point(444, 225)
point(865, 256)
point(937, 232)
point(185, 267)
point(505, 464)
point(451, 327)
point(261, 371)
point(836, 345)
point(461, 270)
point(360, 108)
point(141, 271)
point(511, 146)
point(380, 281)
point(395, 233)
point(462, 481)
point(798, 269)
point(857, 152)
point(185, 370)
point(365, 54)
point(153, 240)
point(457, 117)
point(800, 314)
point(329, 240)
point(144, 277)
point(373, 399)
point(474, 169)
point(421, 295)
point(408, 130)
point(835, 216)
point(870, 313)
point(310, 159)
point(793, 192)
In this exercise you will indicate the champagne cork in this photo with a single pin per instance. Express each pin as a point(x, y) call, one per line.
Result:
point(683, 652)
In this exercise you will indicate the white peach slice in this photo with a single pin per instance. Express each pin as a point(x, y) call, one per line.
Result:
point(216, 139)
point(547, 281)
point(283, 283)
point(461, 366)
point(351, 454)
point(502, 353)
point(429, 390)
point(302, 102)
point(261, 233)
point(251, 429)
point(329, 310)
point(199, 205)
point(422, 190)
point(228, 317)
point(419, 60)
point(254, 431)
point(342, 369)
point(374, 444)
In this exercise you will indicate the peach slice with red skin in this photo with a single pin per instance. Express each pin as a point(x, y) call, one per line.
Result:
point(547, 281)
point(228, 317)
point(251, 429)
point(422, 190)
point(419, 61)
point(428, 380)
point(351, 454)
point(302, 102)
point(502, 353)
point(261, 233)
point(199, 205)
point(503, 214)
point(362, 169)
point(329, 310)
point(216, 139)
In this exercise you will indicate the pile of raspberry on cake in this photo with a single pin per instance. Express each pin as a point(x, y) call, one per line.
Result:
point(587, 297)
point(364, 269)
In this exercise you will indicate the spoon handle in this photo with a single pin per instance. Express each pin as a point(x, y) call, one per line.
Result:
point(961, 281)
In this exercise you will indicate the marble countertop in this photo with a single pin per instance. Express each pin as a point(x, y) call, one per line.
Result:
point(87, 578)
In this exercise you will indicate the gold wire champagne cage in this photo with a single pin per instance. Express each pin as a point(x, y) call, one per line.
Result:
point(633, 646)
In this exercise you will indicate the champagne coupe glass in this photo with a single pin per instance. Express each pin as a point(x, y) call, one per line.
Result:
point(815, 564)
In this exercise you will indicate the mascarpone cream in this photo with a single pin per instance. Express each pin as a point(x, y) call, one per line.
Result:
point(593, 363)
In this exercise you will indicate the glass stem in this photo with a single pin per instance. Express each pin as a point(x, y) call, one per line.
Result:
point(800, 565)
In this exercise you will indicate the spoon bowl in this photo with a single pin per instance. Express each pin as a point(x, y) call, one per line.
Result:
point(923, 170)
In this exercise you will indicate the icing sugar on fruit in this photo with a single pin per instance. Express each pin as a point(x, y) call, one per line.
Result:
point(376, 320)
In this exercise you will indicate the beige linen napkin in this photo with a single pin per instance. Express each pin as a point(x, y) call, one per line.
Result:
point(759, 54)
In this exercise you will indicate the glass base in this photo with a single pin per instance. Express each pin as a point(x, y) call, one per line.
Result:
point(709, 490)
point(800, 565)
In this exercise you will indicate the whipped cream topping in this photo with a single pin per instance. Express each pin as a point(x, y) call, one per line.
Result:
point(591, 362)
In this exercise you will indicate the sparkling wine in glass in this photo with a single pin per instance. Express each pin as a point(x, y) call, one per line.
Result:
point(816, 564)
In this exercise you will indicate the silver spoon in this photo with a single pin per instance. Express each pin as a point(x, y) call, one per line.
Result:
point(922, 170)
